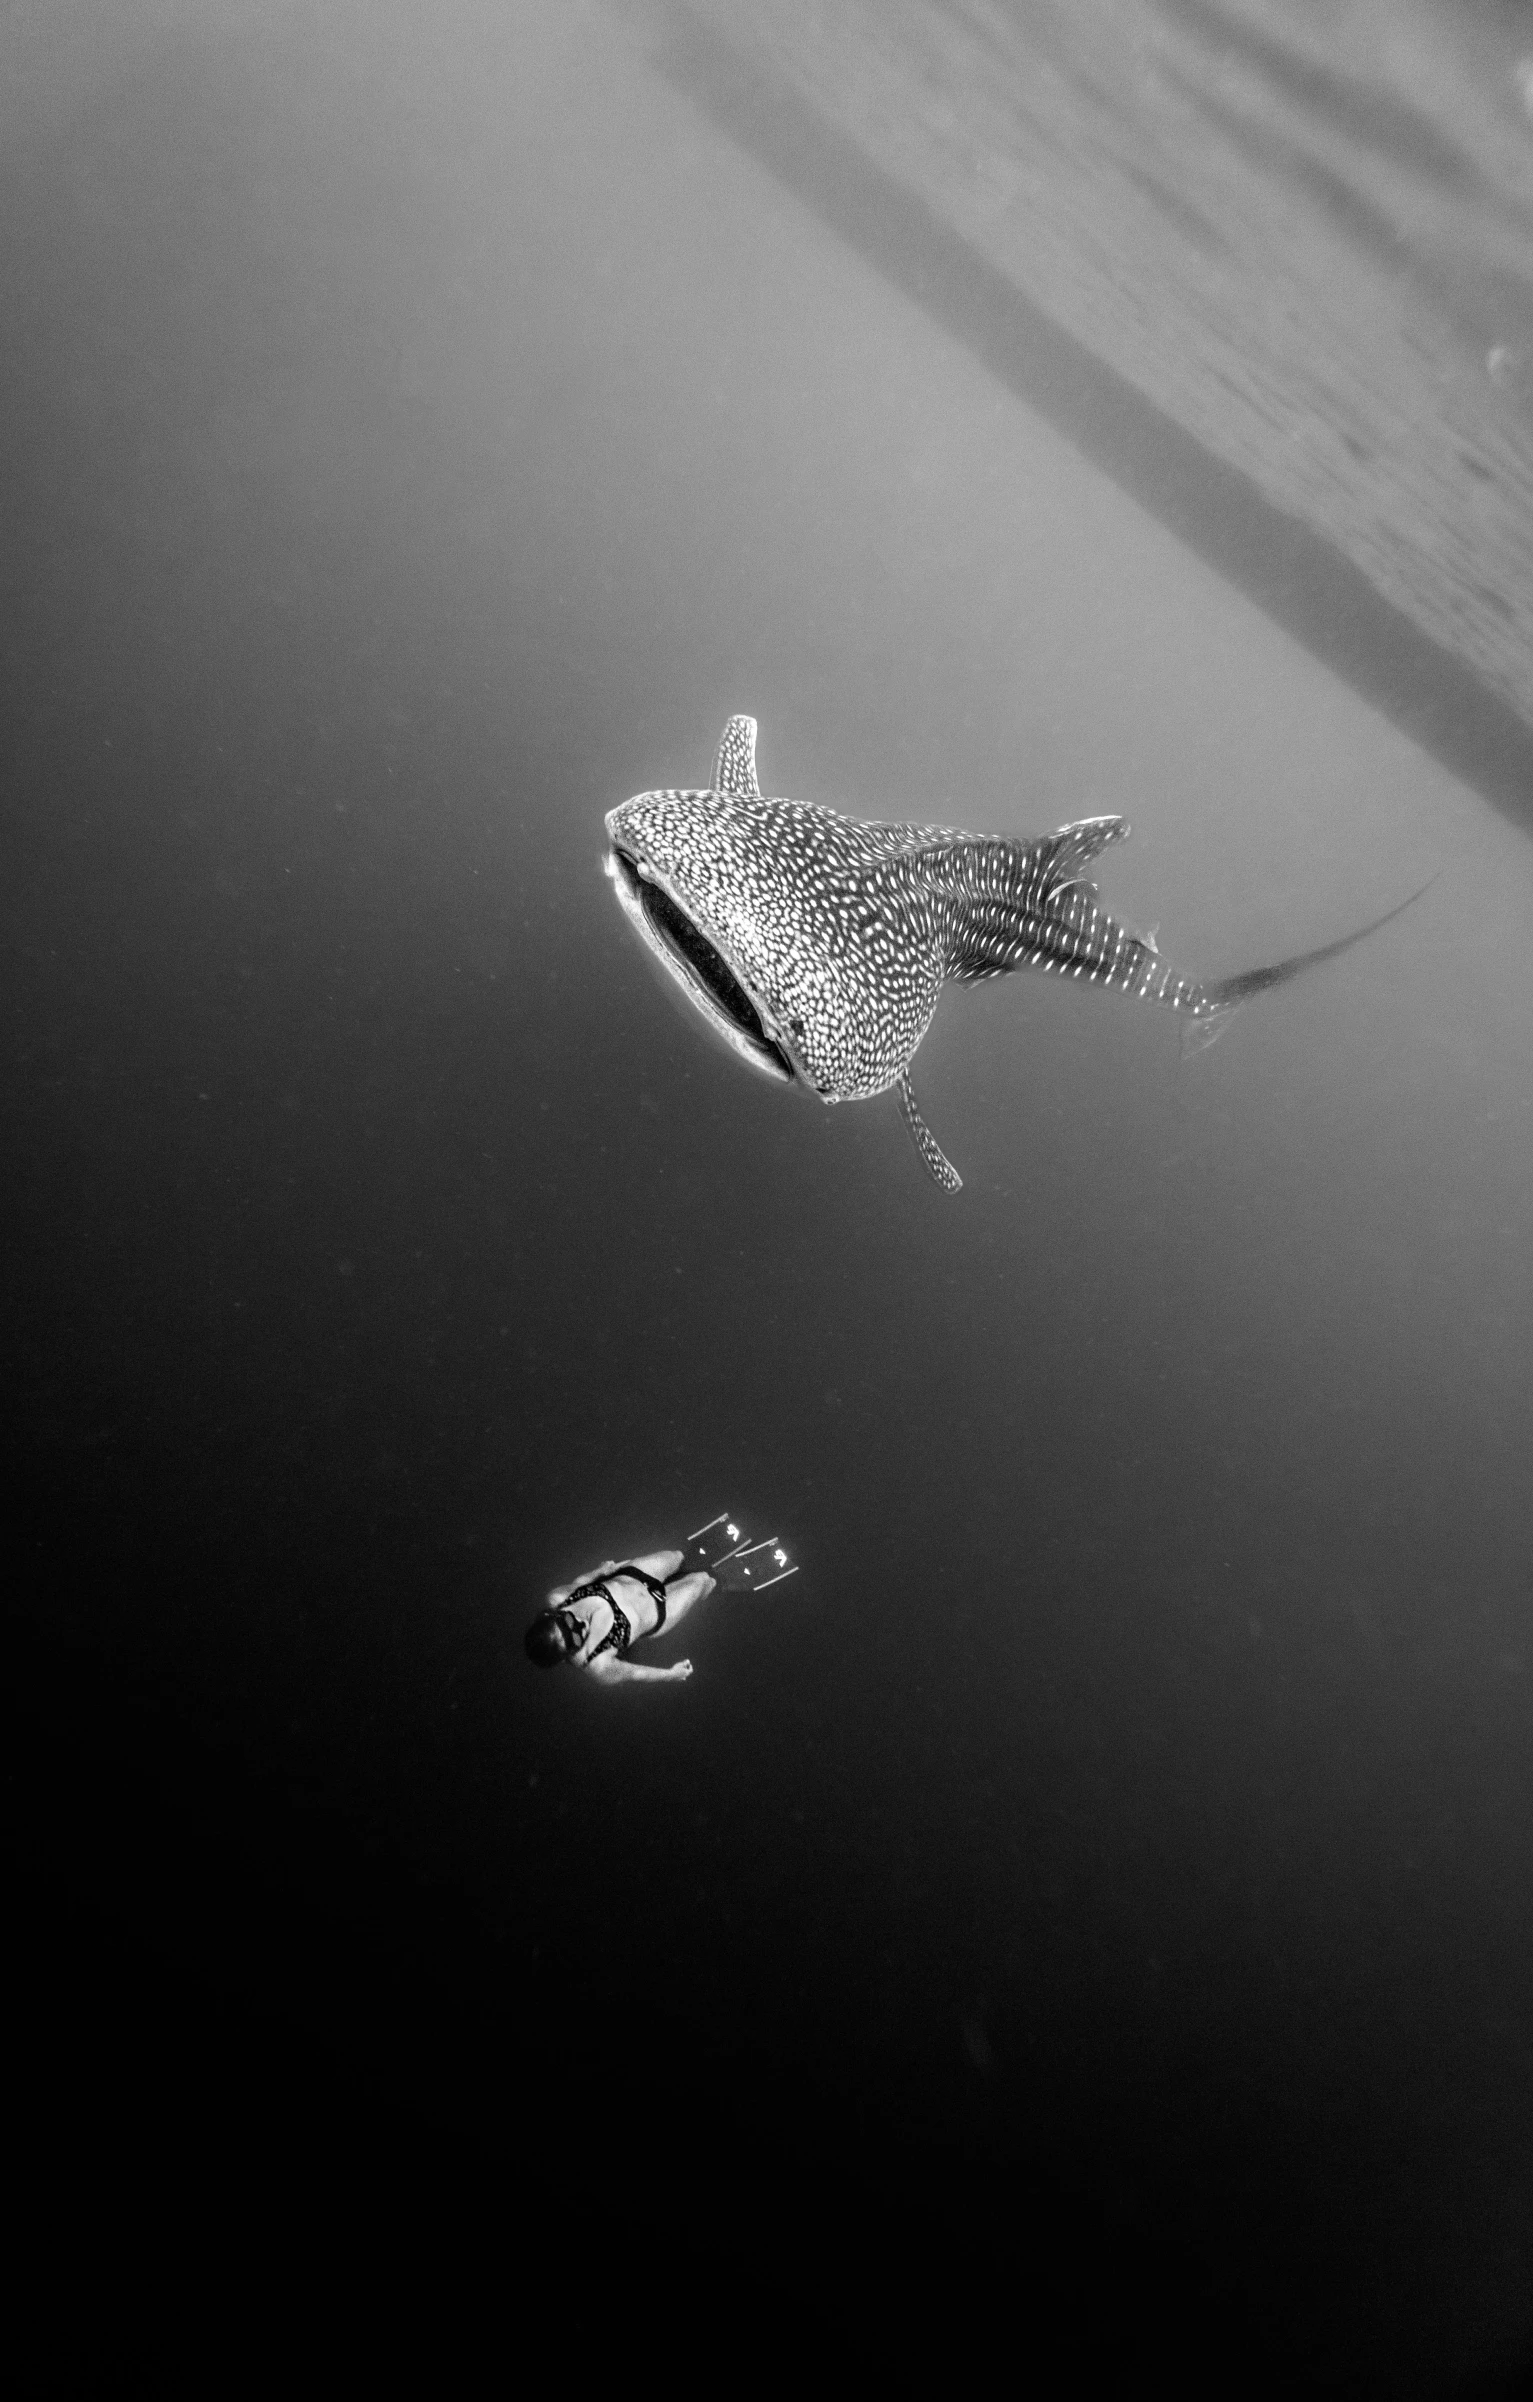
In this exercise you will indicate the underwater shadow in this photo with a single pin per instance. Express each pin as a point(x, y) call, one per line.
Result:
point(1304, 583)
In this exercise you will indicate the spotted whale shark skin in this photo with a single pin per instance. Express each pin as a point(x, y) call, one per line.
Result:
point(818, 945)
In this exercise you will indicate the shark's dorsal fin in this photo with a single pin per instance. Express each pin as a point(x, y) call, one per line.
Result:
point(941, 1170)
point(1059, 857)
point(1039, 870)
point(734, 770)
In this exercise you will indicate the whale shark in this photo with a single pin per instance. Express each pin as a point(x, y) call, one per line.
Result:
point(817, 945)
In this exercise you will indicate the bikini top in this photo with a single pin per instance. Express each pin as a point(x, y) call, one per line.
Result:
point(620, 1634)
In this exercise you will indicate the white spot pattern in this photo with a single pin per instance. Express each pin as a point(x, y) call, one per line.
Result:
point(844, 930)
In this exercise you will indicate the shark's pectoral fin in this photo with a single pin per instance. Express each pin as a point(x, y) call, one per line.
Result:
point(940, 1169)
point(734, 770)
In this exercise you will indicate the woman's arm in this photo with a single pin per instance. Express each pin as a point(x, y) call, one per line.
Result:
point(610, 1670)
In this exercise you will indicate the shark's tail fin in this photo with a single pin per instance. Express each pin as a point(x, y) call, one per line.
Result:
point(1215, 1004)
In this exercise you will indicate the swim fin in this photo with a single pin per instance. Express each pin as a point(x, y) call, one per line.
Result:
point(726, 1553)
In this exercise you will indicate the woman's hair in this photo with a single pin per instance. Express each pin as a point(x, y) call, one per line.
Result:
point(546, 1644)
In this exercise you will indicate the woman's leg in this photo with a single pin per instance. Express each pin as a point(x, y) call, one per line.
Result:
point(684, 1595)
point(658, 1564)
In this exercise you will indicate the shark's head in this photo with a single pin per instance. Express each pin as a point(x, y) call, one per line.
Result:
point(759, 911)
point(679, 866)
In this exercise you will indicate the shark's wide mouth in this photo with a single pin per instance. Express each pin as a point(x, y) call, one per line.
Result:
point(697, 964)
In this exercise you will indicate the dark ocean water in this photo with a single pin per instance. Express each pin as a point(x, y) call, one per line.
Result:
point(1092, 1895)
